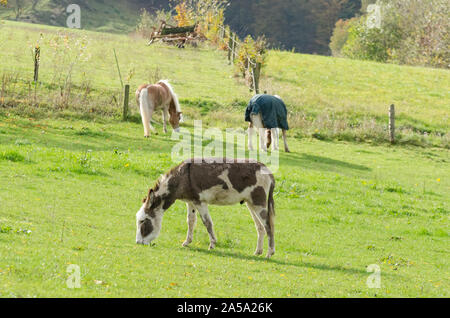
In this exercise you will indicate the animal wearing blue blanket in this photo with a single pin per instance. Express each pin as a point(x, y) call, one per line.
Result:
point(267, 113)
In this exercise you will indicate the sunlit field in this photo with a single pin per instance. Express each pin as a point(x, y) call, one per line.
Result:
point(73, 175)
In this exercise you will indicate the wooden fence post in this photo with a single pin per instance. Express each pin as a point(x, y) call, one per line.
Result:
point(392, 124)
point(37, 58)
point(125, 102)
point(234, 47)
point(230, 47)
point(256, 75)
point(221, 35)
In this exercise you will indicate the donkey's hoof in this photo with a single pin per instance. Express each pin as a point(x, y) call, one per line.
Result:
point(186, 243)
point(212, 246)
point(270, 254)
point(258, 252)
point(146, 137)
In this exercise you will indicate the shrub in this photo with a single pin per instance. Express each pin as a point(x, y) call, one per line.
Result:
point(340, 36)
point(148, 22)
point(413, 32)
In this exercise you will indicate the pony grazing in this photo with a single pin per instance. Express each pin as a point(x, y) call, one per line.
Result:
point(267, 113)
point(159, 96)
point(211, 181)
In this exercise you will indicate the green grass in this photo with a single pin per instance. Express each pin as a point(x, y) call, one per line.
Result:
point(327, 98)
point(72, 176)
point(340, 208)
point(362, 88)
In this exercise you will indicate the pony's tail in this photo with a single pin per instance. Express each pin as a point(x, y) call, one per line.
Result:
point(138, 98)
point(174, 98)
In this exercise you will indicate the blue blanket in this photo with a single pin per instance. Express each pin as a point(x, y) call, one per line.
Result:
point(272, 109)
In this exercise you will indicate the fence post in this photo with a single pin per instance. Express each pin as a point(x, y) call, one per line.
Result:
point(256, 75)
point(221, 34)
point(230, 47)
point(234, 46)
point(392, 124)
point(37, 58)
point(125, 102)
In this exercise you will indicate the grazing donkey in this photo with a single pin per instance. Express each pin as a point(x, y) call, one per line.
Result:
point(159, 96)
point(267, 113)
point(211, 181)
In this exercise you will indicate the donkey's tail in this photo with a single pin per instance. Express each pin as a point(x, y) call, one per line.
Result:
point(174, 97)
point(271, 206)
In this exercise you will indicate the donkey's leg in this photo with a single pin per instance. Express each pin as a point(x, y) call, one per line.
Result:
point(268, 224)
point(262, 212)
point(251, 134)
point(191, 221)
point(207, 221)
point(275, 139)
point(262, 139)
point(286, 148)
point(259, 228)
point(268, 138)
point(258, 123)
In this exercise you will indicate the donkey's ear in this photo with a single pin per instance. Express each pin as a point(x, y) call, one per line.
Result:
point(148, 200)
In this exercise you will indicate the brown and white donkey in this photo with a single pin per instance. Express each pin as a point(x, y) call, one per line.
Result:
point(216, 182)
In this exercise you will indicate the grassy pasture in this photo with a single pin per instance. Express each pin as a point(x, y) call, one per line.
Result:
point(328, 98)
point(76, 185)
point(72, 178)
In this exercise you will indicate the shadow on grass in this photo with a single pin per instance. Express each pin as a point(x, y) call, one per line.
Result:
point(87, 139)
point(273, 260)
point(319, 163)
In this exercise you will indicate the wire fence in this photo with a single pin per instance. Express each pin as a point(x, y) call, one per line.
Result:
point(103, 79)
point(233, 47)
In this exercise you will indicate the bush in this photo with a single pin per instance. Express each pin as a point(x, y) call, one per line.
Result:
point(367, 43)
point(148, 22)
point(340, 36)
point(413, 32)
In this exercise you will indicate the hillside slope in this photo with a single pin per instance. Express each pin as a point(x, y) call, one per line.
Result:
point(326, 97)
point(112, 16)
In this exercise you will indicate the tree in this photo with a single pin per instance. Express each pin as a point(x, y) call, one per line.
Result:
point(411, 32)
point(340, 36)
point(301, 24)
point(34, 4)
point(326, 13)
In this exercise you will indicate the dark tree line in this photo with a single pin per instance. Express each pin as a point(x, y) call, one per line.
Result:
point(305, 25)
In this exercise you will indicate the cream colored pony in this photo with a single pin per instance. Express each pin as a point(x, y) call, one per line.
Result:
point(159, 96)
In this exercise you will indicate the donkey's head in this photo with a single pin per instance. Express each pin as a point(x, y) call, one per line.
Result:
point(149, 219)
